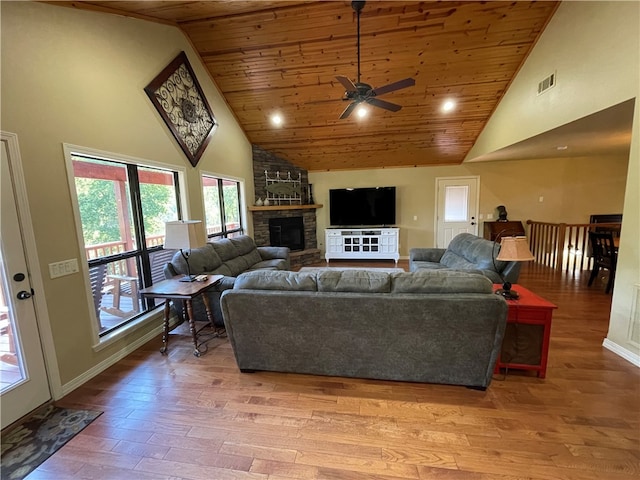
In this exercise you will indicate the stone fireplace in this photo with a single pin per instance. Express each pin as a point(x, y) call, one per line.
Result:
point(287, 232)
point(303, 253)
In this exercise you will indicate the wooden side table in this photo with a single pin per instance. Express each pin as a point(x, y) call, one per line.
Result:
point(174, 289)
point(526, 340)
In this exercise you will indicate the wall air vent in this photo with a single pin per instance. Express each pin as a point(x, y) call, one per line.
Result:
point(547, 83)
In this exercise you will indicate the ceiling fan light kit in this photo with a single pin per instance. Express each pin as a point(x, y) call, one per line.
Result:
point(360, 92)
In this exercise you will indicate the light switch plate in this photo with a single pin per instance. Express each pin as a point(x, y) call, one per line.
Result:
point(65, 267)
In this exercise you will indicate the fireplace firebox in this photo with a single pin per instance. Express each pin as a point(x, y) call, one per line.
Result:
point(287, 232)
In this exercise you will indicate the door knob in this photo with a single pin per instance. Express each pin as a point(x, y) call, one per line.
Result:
point(23, 295)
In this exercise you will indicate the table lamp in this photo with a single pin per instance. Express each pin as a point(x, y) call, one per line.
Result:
point(185, 235)
point(512, 249)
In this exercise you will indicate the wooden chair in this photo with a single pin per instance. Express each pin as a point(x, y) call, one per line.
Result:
point(120, 284)
point(605, 256)
point(158, 260)
point(123, 286)
point(97, 275)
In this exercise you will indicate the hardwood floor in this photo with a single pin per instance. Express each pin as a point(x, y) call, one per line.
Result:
point(182, 417)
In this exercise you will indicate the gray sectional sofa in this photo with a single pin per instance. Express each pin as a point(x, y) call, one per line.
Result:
point(466, 252)
point(428, 326)
point(229, 257)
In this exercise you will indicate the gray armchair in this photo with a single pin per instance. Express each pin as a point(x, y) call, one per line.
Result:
point(469, 253)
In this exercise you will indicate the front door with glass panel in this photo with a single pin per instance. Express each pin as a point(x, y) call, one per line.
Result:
point(23, 378)
point(456, 208)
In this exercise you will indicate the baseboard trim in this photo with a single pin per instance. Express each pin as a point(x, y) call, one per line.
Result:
point(113, 359)
point(622, 352)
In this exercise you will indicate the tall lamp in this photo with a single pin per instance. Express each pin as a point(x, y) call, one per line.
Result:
point(512, 249)
point(185, 235)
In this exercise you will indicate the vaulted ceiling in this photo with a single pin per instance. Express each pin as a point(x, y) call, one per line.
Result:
point(282, 57)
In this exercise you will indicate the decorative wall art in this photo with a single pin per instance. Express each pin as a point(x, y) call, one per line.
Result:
point(283, 190)
point(177, 96)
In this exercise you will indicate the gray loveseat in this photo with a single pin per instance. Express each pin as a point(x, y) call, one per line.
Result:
point(431, 326)
point(229, 257)
point(466, 252)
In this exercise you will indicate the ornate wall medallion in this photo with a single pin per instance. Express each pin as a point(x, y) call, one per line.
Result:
point(177, 96)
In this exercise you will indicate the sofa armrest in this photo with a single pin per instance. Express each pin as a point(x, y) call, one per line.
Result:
point(511, 272)
point(426, 254)
point(494, 276)
point(271, 253)
point(274, 253)
point(169, 271)
point(226, 283)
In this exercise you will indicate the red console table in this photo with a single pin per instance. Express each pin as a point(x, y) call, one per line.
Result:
point(526, 340)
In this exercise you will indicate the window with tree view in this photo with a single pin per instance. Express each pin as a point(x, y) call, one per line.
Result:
point(123, 209)
point(222, 206)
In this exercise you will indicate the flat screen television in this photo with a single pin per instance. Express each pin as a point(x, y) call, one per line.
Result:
point(353, 207)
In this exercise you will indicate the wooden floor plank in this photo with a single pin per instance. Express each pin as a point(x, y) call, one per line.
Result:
point(181, 417)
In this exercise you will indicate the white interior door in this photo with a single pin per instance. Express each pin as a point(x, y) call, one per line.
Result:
point(23, 383)
point(456, 208)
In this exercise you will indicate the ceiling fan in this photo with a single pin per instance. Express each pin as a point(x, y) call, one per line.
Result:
point(359, 92)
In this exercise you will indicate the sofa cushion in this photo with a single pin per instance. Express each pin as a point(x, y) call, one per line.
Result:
point(201, 260)
point(440, 281)
point(225, 249)
point(357, 281)
point(223, 270)
point(243, 244)
point(237, 265)
point(252, 258)
point(276, 280)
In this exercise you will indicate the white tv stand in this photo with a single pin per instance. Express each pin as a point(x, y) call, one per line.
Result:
point(362, 243)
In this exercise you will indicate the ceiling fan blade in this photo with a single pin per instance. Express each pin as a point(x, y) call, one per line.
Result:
point(376, 102)
point(407, 82)
point(347, 84)
point(348, 110)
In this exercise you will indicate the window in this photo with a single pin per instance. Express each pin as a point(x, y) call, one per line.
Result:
point(123, 207)
point(222, 206)
point(456, 203)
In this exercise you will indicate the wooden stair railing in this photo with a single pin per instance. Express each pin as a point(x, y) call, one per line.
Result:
point(564, 246)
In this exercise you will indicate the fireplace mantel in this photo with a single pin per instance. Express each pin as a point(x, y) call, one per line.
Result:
point(254, 208)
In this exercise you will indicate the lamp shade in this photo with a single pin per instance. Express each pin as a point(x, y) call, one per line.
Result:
point(514, 249)
point(184, 235)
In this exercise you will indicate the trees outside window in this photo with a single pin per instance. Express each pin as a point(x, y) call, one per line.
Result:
point(123, 207)
point(222, 206)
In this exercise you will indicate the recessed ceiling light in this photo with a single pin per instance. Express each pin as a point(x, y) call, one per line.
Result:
point(448, 105)
point(362, 111)
point(276, 120)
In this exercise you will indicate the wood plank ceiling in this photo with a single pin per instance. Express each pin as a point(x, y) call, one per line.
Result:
point(282, 57)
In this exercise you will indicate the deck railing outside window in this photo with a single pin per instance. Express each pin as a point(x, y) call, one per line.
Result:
point(113, 248)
